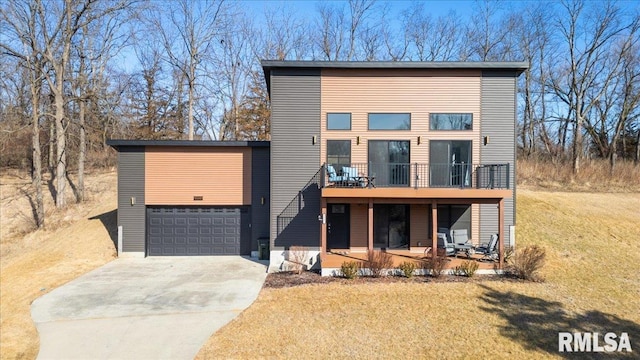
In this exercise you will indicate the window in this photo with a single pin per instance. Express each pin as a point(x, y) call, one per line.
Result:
point(450, 163)
point(450, 121)
point(339, 121)
point(389, 121)
point(389, 162)
point(390, 226)
point(339, 153)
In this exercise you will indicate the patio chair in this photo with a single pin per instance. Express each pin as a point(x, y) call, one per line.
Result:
point(350, 176)
point(489, 251)
point(445, 243)
point(333, 175)
point(461, 242)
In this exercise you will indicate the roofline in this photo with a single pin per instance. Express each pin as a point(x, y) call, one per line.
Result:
point(493, 65)
point(118, 143)
point(268, 65)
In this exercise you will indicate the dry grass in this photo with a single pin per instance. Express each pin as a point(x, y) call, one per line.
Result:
point(593, 283)
point(595, 176)
point(75, 241)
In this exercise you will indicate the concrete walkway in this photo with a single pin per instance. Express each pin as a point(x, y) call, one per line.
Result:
point(153, 308)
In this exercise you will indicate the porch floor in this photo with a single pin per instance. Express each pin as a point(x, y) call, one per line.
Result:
point(335, 258)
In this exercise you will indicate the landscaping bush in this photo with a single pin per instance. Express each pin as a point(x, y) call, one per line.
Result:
point(378, 263)
point(298, 256)
point(467, 268)
point(527, 262)
point(349, 269)
point(407, 268)
point(434, 266)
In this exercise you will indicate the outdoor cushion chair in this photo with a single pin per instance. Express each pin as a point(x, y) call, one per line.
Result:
point(461, 242)
point(489, 251)
point(350, 176)
point(444, 242)
point(460, 236)
point(333, 175)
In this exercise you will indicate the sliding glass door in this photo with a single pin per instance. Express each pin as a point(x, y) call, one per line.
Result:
point(389, 162)
point(450, 163)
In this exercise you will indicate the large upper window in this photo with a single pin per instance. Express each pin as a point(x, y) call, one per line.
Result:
point(338, 121)
point(339, 153)
point(379, 121)
point(451, 121)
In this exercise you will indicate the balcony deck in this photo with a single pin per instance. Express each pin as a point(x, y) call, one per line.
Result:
point(412, 193)
point(415, 180)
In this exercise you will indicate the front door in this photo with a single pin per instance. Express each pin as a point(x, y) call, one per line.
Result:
point(338, 226)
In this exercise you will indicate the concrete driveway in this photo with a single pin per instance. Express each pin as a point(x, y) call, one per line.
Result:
point(153, 308)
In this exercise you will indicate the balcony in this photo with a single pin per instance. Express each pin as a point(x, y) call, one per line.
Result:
point(415, 180)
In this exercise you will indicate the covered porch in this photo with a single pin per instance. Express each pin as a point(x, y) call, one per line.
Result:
point(404, 225)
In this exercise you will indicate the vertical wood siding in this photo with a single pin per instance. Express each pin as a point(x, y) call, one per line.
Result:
point(498, 122)
point(221, 175)
point(419, 226)
point(131, 184)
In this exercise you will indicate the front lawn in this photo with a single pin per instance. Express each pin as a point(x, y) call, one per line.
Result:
point(592, 284)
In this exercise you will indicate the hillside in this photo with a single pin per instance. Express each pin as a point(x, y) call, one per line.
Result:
point(75, 241)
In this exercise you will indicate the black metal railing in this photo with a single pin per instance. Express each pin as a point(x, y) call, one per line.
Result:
point(416, 175)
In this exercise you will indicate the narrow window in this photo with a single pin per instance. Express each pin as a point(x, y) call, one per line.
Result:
point(379, 121)
point(451, 121)
point(338, 153)
point(339, 121)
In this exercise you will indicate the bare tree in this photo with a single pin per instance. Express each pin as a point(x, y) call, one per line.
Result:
point(188, 34)
point(21, 21)
point(589, 71)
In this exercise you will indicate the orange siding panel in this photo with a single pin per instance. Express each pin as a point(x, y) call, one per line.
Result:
point(174, 175)
point(419, 92)
point(419, 226)
point(359, 218)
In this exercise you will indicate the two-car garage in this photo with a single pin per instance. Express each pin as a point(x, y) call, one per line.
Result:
point(185, 231)
point(192, 198)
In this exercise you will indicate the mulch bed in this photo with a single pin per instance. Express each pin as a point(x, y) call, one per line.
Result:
point(288, 279)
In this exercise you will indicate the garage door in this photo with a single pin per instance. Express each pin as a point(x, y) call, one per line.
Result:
point(184, 231)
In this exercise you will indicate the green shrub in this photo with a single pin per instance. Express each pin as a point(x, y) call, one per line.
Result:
point(407, 268)
point(527, 262)
point(467, 268)
point(378, 263)
point(350, 269)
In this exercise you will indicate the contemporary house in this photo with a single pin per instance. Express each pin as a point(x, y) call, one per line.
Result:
point(385, 155)
point(363, 155)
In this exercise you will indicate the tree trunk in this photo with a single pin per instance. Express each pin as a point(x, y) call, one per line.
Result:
point(52, 150)
point(36, 154)
point(81, 152)
point(577, 145)
point(636, 159)
point(61, 147)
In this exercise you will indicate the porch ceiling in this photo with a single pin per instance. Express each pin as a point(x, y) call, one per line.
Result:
point(420, 193)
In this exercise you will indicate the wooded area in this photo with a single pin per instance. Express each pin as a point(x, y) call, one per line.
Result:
point(74, 73)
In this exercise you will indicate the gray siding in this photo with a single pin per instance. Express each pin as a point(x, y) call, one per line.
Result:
point(498, 122)
point(260, 172)
point(131, 184)
point(295, 119)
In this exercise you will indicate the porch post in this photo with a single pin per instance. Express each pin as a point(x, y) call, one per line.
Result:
point(434, 229)
point(323, 227)
point(370, 226)
point(501, 232)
